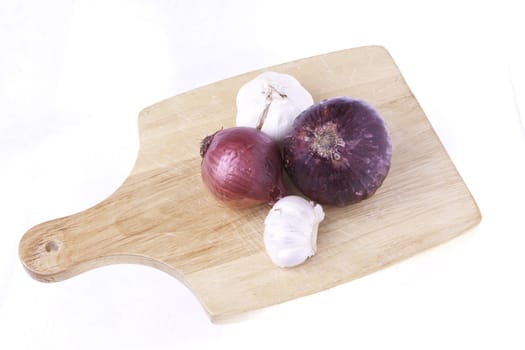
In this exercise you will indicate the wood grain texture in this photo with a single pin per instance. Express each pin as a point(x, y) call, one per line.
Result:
point(162, 215)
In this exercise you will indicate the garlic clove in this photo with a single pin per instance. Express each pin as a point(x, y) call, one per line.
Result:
point(271, 102)
point(290, 230)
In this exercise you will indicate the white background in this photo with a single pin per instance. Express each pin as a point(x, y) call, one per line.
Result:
point(74, 76)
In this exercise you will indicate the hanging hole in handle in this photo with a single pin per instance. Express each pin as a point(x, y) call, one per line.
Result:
point(52, 246)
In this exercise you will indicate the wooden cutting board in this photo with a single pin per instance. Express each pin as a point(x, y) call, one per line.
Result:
point(162, 216)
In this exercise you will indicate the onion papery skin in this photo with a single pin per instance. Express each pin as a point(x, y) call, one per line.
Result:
point(338, 152)
point(242, 167)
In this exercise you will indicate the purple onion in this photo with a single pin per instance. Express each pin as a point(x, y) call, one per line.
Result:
point(242, 167)
point(338, 151)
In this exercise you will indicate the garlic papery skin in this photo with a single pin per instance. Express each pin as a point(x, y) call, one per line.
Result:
point(271, 102)
point(290, 230)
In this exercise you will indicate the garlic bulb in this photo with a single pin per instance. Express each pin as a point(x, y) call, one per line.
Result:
point(290, 230)
point(271, 102)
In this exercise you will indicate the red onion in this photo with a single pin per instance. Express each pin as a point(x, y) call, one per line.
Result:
point(242, 167)
point(338, 151)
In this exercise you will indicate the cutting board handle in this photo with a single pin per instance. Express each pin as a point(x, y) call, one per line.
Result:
point(45, 250)
point(61, 248)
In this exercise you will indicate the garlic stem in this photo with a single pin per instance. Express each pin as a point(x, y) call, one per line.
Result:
point(271, 102)
point(269, 99)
